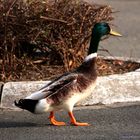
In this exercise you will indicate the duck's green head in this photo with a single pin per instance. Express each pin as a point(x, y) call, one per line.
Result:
point(102, 28)
point(98, 31)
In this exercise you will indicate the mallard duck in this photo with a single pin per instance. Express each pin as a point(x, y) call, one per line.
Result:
point(70, 88)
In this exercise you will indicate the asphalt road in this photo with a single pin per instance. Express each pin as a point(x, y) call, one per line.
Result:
point(119, 123)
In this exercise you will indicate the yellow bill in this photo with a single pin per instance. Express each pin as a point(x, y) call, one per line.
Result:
point(114, 33)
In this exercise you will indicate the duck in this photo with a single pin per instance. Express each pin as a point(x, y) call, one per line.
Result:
point(65, 91)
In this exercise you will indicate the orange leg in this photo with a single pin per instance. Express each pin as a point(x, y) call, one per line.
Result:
point(53, 121)
point(74, 122)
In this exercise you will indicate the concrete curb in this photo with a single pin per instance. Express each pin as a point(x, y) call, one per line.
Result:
point(110, 89)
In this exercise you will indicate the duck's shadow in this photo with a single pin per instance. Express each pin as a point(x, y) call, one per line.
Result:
point(21, 124)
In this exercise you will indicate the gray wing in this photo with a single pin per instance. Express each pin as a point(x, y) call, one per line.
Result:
point(73, 84)
point(61, 86)
point(61, 83)
point(55, 80)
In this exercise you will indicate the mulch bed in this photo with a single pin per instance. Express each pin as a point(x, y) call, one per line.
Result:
point(38, 71)
point(59, 29)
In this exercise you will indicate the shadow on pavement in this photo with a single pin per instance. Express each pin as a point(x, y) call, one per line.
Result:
point(21, 124)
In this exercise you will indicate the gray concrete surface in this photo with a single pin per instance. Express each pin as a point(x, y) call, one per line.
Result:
point(15, 90)
point(107, 123)
point(127, 22)
point(109, 90)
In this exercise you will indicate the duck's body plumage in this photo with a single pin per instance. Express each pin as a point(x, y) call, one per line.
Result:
point(70, 88)
point(67, 90)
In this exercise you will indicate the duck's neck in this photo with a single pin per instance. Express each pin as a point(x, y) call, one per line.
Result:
point(92, 52)
point(94, 43)
point(89, 64)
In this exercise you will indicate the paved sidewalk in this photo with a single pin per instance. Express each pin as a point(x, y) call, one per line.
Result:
point(127, 21)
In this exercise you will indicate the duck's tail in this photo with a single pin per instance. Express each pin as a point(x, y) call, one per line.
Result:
point(34, 106)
